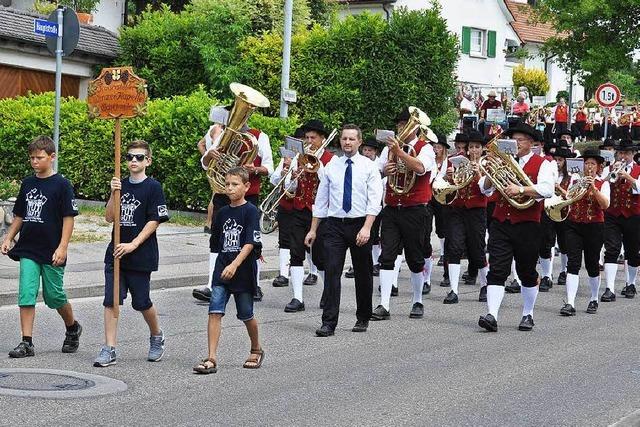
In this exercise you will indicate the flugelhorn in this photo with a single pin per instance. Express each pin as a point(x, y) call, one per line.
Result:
point(558, 206)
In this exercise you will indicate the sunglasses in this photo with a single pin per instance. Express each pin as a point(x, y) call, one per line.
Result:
point(138, 157)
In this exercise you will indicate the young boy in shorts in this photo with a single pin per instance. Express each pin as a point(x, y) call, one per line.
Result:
point(235, 236)
point(142, 209)
point(43, 214)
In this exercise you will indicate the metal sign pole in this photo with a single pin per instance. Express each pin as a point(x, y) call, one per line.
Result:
point(606, 121)
point(56, 117)
point(286, 57)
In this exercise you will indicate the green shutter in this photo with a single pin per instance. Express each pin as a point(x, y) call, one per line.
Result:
point(466, 40)
point(491, 44)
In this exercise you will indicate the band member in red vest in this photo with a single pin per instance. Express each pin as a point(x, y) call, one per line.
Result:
point(407, 218)
point(262, 166)
point(585, 233)
point(306, 188)
point(561, 116)
point(622, 221)
point(466, 224)
point(580, 120)
point(515, 233)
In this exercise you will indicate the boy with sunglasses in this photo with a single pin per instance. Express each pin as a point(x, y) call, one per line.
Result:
point(142, 209)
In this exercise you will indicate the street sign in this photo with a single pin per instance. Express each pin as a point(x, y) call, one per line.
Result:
point(45, 28)
point(608, 95)
point(70, 32)
point(289, 95)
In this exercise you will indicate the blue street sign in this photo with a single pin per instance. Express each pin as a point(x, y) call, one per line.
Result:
point(45, 28)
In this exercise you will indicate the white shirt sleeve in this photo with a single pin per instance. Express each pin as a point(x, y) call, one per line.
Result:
point(487, 192)
point(214, 144)
point(264, 151)
point(382, 160)
point(606, 190)
point(321, 203)
point(374, 190)
point(428, 159)
point(275, 177)
point(545, 185)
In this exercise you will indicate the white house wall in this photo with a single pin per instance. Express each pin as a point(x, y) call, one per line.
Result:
point(558, 78)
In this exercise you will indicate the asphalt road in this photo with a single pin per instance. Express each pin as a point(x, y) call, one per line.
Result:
point(438, 371)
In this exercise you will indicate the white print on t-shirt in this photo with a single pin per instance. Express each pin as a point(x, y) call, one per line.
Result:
point(128, 206)
point(232, 231)
point(162, 210)
point(256, 236)
point(35, 202)
point(74, 204)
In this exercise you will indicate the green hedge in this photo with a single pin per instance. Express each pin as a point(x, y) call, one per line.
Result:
point(172, 126)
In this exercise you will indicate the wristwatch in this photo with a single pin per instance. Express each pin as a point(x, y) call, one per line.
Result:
point(521, 190)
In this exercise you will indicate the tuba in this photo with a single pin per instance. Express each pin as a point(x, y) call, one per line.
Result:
point(502, 170)
point(237, 148)
point(558, 206)
point(462, 176)
point(403, 180)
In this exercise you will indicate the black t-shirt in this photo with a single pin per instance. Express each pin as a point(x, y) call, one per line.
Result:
point(139, 203)
point(42, 203)
point(233, 228)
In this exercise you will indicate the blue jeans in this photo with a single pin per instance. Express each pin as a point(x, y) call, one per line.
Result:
point(220, 297)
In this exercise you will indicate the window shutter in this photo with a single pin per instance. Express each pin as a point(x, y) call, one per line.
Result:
point(491, 44)
point(466, 40)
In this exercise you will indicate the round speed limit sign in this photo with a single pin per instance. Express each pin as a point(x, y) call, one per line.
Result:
point(608, 95)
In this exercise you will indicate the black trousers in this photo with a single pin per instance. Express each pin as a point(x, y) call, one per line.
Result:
point(580, 128)
point(340, 235)
point(403, 227)
point(508, 241)
point(560, 127)
point(635, 133)
point(466, 230)
point(439, 213)
point(587, 239)
point(619, 230)
point(490, 208)
point(551, 231)
point(284, 218)
point(300, 225)
point(375, 230)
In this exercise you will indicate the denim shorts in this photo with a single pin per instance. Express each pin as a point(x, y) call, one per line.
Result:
point(220, 297)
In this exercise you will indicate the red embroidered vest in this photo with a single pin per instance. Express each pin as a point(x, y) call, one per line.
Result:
point(255, 180)
point(308, 186)
point(470, 197)
point(420, 194)
point(587, 210)
point(623, 201)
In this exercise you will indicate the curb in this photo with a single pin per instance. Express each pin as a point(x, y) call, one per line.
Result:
point(97, 289)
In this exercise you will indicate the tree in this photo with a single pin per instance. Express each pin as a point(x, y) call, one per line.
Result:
point(594, 36)
point(532, 78)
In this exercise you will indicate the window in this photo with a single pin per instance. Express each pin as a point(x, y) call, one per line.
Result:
point(478, 42)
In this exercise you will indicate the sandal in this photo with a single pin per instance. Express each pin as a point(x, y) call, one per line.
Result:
point(252, 363)
point(207, 366)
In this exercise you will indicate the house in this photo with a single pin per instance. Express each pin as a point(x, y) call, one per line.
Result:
point(27, 66)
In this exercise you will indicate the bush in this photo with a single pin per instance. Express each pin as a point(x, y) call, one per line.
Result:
point(172, 126)
point(534, 79)
point(8, 188)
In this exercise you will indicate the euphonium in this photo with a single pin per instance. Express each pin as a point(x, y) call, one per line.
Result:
point(236, 148)
point(442, 189)
point(403, 180)
point(502, 170)
point(558, 206)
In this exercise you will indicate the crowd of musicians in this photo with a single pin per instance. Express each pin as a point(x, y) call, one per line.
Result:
point(377, 199)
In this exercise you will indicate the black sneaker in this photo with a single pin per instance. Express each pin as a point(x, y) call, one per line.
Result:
point(202, 294)
point(426, 288)
point(310, 280)
point(445, 283)
point(545, 284)
point(440, 261)
point(24, 349)
point(350, 274)
point(394, 291)
point(294, 306)
point(631, 291)
point(360, 326)
point(526, 324)
point(483, 294)
point(562, 279)
point(623, 292)
point(207, 230)
point(280, 282)
point(380, 313)
point(568, 310)
point(72, 339)
point(608, 296)
point(258, 295)
point(417, 311)
point(376, 270)
point(489, 323)
point(451, 298)
point(592, 308)
point(513, 287)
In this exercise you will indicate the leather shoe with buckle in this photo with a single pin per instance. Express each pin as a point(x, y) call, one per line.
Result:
point(488, 322)
point(513, 287)
point(631, 291)
point(294, 306)
point(310, 280)
point(592, 308)
point(568, 310)
point(360, 326)
point(426, 288)
point(350, 274)
point(545, 284)
point(451, 298)
point(483, 294)
point(394, 291)
point(417, 311)
point(324, 331)
point(380, 313)
point(526, 324)
point(280, 282)
point(562, 279)
point(440, 261)
point(608, 296)
point(445, 282)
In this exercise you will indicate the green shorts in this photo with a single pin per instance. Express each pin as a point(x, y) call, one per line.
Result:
point(52, 279)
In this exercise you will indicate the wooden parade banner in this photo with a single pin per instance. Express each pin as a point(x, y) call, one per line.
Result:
point(117, 94)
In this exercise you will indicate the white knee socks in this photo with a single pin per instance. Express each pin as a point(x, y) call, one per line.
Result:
point(454, 277)
point(428, 266)
point(564, 258)
point(375, 253)
point(482, 276)
point(312, 267)
point(284, 255)
point(632, 272)
point(610, 270)
point(514, 273)
point(594, 283)
point(494, 299)
point(297, 276)
point(387, 278)
point(545, 267)
point(441, 247)
point(572, 288)
point(529, 296)
point(396, 270)
point(416, 284)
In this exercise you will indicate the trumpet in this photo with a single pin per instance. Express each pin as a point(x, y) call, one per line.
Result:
point(614, 173)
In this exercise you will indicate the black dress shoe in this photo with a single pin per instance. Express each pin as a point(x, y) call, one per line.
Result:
point(380, 313)
point(440, 261)
point(513, 287)
point(202, 294)
point(465, 275)
point(451, 298)
point(310, 280)
point(562, 279)
point(471, 280)
point(621, 259)
point(426, 288)
point(417, 311)
point(360, 326)
point(545, 284)
point(445, 282)
point(324, 331)
point(623, 292)
point(526, 324)
point(394, 291)
point(350, 274)
point(631, 291)
point(608, 296)
point(257, 297)
point(280, 282)
point(592, 308)
point(489, 323)
point(568, 310)
point(376, 270)
point(483, 294)
point(294, 306)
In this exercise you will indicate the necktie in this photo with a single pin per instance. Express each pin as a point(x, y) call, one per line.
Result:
point(346, 193)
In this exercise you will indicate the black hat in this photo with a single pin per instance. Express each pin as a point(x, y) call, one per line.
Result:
point(636, 158)
point(442, 140)
point(404, 115)
point(299, 133)
point(626, 145)
point(461, 137)
point(565, 132)
point(563, 152)
point(522, 127)
point(371, 141)
point(475, 136)
point(590, 153)
point(608, 143)
point(550, 148)
point(316, 125)
point(561, 143)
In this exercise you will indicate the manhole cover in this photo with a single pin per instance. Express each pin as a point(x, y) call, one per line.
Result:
point(54, 384)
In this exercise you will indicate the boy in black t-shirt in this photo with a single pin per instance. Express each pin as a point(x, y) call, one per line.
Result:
point(43, 214)
point(235, 236)
point(142, 209)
